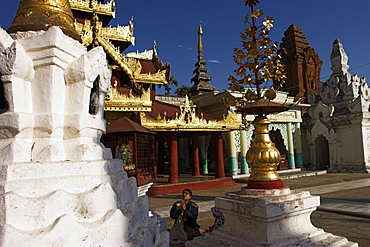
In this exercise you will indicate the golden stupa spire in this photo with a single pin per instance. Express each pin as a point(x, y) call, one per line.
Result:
point(200, 42)
point(35, 15)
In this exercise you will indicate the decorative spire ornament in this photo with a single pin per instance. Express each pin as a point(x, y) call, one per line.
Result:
point(201, 78)
point(338, 59)
point(258, 65)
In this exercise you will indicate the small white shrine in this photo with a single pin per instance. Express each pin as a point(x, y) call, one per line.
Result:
point(336, 130)
point(59, 184)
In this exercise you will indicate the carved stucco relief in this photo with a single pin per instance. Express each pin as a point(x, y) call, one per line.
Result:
point(320, 128)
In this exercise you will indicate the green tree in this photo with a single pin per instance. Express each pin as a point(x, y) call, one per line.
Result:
point(167, 87)
point(182, 91)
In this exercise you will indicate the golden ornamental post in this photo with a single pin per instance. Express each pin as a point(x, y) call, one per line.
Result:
point(263, 158)
point(259, 64)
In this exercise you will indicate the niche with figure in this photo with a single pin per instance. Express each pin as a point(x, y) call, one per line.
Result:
point(94, 97)
point(3, 102)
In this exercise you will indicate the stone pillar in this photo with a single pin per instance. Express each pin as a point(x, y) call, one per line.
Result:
point(161, 154)
point(291, 163)
point(298, 154)
point(203, 154)
point(243, 152)
point(220, 166)
point(173, 144)
point(233, 162)
point(195, 151)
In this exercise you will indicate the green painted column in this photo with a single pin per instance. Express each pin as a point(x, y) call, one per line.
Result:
point(203, 154)
point(298, 154)
point(243, 152)
point(233, 161)
point(291, 162)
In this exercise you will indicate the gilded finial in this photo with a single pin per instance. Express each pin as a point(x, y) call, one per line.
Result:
point(200, 30)
point(154, 48)
point(200, 42)
point(35, 15)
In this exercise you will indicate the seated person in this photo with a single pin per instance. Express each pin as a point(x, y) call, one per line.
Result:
point(186, 211)
point(219, 218)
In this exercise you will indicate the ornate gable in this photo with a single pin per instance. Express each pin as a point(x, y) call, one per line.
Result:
point(188, 120)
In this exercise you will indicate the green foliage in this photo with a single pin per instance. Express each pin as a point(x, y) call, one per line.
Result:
point(182, 91)
point(167, 87)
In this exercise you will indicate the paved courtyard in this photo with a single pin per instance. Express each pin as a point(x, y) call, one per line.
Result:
point(344, 208)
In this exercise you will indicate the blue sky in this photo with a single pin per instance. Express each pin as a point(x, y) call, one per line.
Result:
point(173, 24)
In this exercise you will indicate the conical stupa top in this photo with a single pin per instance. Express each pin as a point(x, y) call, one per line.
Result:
point(35, 15)
point(338, 59)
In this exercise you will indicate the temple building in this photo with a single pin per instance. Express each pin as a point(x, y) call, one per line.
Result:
point(179, 142)
point(336, 129)
point(133, 80)
point(284, 130)
point(301, 63)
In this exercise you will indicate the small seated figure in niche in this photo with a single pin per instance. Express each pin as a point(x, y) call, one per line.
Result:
point(219, 219)
point(126, 155)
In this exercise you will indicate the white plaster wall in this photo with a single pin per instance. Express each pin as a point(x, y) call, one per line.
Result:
point(58, 183)
point(351, 138)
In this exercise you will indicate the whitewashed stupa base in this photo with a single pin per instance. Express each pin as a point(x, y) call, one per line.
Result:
point(59, 186)
point(278, 217)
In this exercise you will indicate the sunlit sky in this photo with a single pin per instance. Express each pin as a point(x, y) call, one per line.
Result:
point(173, 24)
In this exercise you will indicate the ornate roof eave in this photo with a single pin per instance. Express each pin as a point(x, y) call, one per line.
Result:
point(160, 65)
point(115, 101)
point(120, 33)
point(189, 121)
point(153, 56)
point(131, 66)
point(108, 9)
point(233, 121)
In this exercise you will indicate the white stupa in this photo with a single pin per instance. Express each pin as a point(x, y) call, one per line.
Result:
point(59, 184)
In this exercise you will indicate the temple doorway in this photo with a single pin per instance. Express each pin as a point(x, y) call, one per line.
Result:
point(277, 138)
point(322, 153)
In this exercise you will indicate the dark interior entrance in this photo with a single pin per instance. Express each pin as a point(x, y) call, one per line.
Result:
point(322, 153)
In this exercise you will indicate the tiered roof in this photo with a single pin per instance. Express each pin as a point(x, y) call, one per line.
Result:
point(201, 78)
point(129, 70)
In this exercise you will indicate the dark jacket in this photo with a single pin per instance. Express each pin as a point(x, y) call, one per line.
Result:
point(190, 215)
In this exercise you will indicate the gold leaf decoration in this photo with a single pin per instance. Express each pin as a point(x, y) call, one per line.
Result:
point(270, 94)
point(249, 95)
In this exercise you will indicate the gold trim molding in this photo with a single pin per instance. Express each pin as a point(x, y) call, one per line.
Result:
point(189, 121)
point(114, 101)
point(92, 5)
